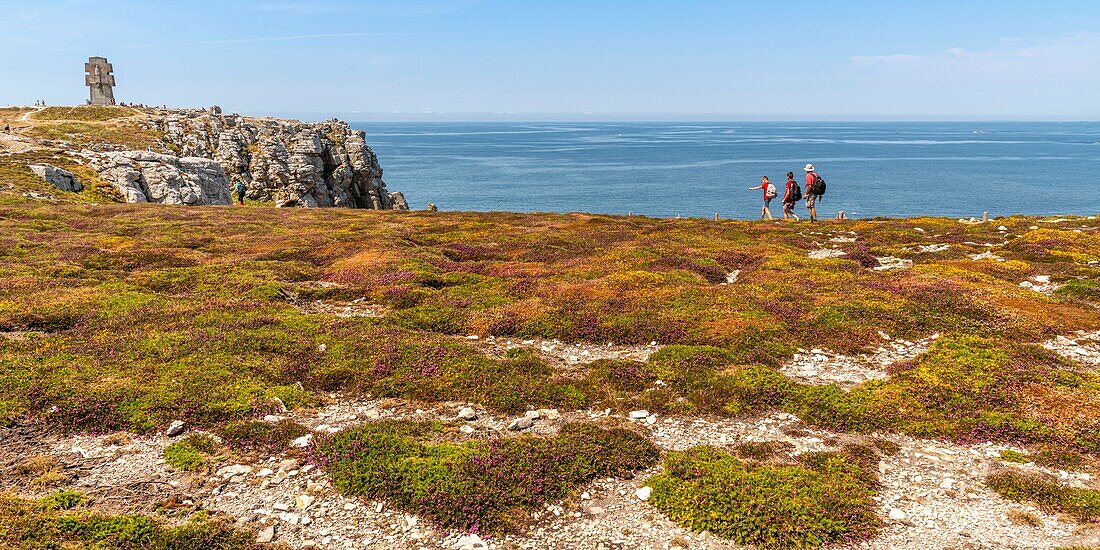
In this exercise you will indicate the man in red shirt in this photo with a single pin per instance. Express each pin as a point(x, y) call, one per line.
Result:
point(811, 197)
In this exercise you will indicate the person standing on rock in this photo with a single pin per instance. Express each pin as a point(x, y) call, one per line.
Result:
point(792, 195)
point(240, 193)
point(815, 187)
point(770, 193)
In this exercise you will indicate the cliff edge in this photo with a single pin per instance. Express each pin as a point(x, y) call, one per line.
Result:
point(197, 157)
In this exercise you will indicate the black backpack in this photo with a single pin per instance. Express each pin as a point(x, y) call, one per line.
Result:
point(819, 185)
point(796, 193)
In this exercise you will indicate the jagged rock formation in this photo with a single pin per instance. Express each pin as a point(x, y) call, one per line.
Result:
point(287, 162)
point(144, 176)
point(58, 177)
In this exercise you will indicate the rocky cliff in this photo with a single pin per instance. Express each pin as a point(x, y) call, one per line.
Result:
point(286, 162)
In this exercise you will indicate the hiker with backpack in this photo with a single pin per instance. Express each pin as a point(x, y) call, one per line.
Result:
point(792, 195)
point(240, 193)
point(815, 188)
point(770, 192)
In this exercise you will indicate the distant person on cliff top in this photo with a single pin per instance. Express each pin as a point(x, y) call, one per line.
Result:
point(240, 193)
point(815, 188)
point(770, 192)
point(792, 195)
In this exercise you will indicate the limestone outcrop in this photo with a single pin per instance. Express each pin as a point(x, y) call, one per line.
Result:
point(289, 163)
point(144, 176)
point(58, 177)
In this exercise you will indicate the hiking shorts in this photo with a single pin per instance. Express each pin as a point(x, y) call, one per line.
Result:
point(810, 200)
point(767, 203)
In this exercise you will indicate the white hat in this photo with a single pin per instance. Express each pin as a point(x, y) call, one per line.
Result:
point(809, 168)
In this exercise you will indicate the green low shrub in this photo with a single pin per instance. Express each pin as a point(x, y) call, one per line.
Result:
point(262, 437)
point(826, 498)
point(1009, 455)
point(1046, 493)
point(192, 453)
point(476, 486)
point(63, 500)
point(59, 522)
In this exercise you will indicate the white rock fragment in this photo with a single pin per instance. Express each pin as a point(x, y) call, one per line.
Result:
point(234, 470)
point(470, 542)
point(643, 492)
point(303, 441)
point(521, 423)
point(825, 253)
point(175, 428)
point(266, 535)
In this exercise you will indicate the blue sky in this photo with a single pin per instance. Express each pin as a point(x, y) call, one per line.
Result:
point(569, 59)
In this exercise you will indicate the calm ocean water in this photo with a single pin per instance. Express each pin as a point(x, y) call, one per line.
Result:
point(669, 169)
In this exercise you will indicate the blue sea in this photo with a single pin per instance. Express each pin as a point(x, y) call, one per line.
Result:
point(955, 169)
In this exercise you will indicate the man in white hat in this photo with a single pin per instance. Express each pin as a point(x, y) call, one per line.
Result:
point(812, 191)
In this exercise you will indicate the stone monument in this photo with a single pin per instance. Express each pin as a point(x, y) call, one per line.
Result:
point(100, 81)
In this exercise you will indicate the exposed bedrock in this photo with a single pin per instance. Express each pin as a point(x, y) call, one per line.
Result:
point(286, 162)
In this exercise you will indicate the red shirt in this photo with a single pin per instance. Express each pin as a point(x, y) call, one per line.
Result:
point(809, 180)
point(787, 193)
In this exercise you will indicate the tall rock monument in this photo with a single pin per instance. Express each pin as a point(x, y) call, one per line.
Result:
point(100, 81)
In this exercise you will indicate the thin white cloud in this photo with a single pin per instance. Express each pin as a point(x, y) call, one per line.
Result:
point(246, 40)
point(41, 10)
point(1069, 53)
point(400, 8)
point(251, 40)
point(1050, 78)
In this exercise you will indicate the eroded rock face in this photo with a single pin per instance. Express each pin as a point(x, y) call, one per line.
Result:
point(144, 176)
point(59, 178)
point(288, 162)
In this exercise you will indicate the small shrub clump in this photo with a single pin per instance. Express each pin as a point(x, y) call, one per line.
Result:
point(1047, 494)
point(41, 470)
point(192, 453)
point(59, 521)
point(63, 500)
point(262, 437)
point(1009, 455)
point(763, 450)
point(489, 486)
point(825, 498)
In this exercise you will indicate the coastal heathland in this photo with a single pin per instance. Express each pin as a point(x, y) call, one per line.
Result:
point(518, 376)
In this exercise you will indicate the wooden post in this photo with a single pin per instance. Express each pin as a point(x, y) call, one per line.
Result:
point(715, 216)
point(985, 217)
